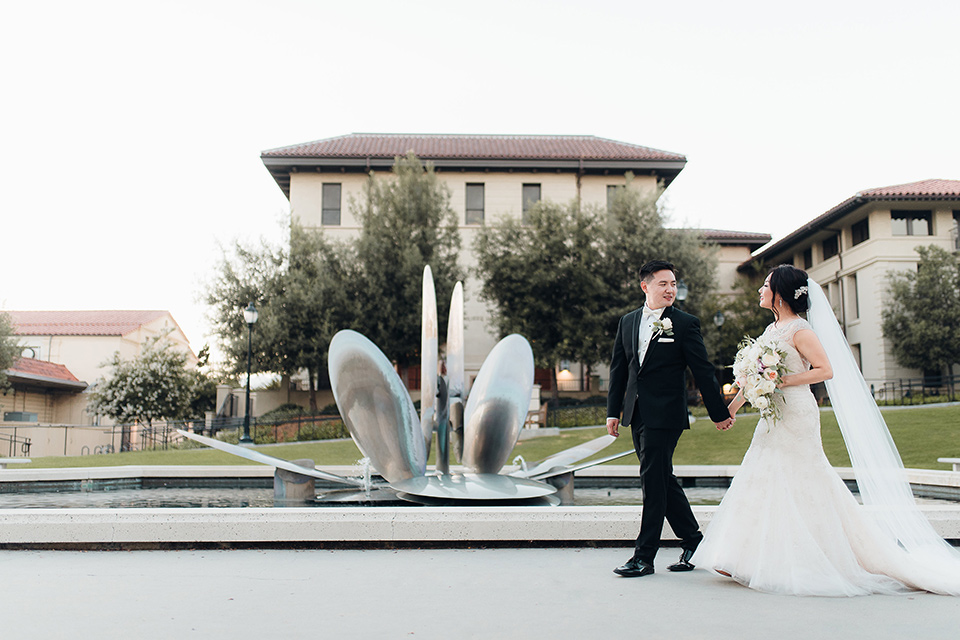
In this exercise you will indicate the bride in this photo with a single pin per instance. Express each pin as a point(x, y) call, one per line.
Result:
point(788, 524)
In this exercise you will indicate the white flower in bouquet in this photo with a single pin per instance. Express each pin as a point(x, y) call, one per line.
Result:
point(759, 369)
point(770, 359)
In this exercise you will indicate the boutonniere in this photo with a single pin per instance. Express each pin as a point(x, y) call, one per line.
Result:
point(664, 326)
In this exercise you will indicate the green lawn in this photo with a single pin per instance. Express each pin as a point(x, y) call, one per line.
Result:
point(922, 435)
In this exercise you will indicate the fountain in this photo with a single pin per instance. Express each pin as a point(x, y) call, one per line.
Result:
point(481, 428)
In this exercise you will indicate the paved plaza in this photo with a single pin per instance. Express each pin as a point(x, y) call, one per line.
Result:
point(444, 594)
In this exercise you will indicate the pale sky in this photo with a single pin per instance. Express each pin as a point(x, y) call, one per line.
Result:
point(131, 131)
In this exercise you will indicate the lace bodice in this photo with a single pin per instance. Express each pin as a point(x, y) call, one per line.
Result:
point(784, 334)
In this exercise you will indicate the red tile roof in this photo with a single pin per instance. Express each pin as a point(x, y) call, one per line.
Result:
point(923, 189)
point(500, 147)
point(934, 189)
point(42, 369)
point(80, 323)
point(750, 237)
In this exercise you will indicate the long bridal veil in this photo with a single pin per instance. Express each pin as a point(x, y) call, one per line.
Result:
point(876, 462)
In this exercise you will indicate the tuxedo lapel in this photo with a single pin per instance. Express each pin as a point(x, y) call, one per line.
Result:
point(655, 340)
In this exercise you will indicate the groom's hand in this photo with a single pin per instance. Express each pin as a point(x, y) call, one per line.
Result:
point(613, 427)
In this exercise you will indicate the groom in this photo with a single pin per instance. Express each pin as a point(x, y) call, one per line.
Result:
point(655, 344)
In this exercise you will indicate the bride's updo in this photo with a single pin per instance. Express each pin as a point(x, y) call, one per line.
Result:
point(790, 284)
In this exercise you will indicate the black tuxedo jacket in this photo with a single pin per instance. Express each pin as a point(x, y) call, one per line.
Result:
point(656, 389)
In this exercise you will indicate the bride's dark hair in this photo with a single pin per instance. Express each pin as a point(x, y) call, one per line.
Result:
point(790, 284)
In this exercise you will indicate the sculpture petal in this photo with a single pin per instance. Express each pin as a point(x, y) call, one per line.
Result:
point(428, 358)
point(498, 405)
point(376, 407)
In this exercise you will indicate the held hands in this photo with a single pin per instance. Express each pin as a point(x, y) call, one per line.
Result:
point(732, 409)
point(613, 427)
point(726, 424)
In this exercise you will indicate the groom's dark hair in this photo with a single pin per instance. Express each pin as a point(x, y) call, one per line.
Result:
point(647, 270)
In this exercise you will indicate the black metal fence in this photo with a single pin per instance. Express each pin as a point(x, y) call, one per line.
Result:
point(163, 435)
point(927, 390)
point(293, 429)
point(14, 445)
point(578, 415)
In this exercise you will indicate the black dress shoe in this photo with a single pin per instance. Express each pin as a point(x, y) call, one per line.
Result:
point(684, 564)
point(634, 569)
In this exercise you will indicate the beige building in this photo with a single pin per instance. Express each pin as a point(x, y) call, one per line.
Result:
point(489, 177)
point(61, 357)
point(851, 248)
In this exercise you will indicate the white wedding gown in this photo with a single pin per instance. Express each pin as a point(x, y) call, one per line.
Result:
point(789, 525)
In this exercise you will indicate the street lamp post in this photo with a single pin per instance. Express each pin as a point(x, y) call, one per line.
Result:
point(250, 316)
point(682, 292)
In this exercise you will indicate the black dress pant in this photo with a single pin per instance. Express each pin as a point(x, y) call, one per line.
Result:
point(663, 497)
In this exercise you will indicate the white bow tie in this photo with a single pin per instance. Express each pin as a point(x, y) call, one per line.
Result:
point(656, 313)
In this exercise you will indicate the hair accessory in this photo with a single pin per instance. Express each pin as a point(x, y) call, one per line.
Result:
point(799, 292)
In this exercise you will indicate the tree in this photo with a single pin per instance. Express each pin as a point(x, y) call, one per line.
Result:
point(316, 298)
point(203, 382)
point(9, 348)
point(248, 273)
point(312, 288)
point(743, 316)
point(545, 282)
point(407, 223)
point(155, 385)
point(304, 292)
point(635, 234)
point(922, 318)
point(564, 279)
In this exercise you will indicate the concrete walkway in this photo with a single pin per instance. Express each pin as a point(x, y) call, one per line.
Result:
point(444, 594)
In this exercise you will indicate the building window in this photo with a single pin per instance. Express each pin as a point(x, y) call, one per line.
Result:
point(612, 193)
point(808, 257)
point(474, 204)
point(853, 297)
point(831, 247)
point(956, 230)
point(833, 294)
point(855, 348)
point(860, 231)
point(531, 195)
point(911, 223)
point(330, 207)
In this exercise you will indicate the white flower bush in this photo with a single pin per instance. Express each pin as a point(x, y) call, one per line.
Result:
point(154, 385)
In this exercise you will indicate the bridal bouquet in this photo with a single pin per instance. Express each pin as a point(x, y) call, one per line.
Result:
point(759, 368)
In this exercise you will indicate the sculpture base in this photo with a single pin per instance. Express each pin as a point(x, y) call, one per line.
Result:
point(473, 487)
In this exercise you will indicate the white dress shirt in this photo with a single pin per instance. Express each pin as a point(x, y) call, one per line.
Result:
point(649, 316)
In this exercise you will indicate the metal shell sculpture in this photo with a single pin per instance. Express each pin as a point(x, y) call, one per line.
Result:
point(381, 418)
point(384, 424)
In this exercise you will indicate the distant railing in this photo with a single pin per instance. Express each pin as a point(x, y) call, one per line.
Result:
point(577, 415)
point(927, 390)
point(163, 435)
point(15, 445)
point(292, 429)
